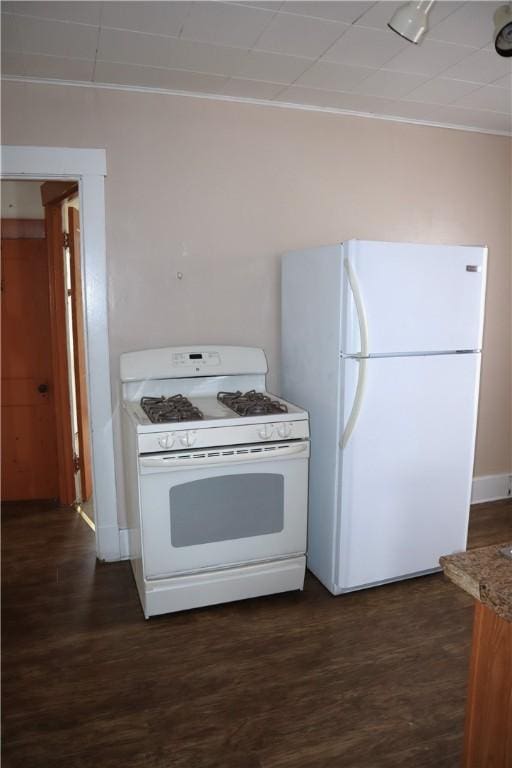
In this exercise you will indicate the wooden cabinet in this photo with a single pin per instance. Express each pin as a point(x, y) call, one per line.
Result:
point(488, 730)
point(487, 575)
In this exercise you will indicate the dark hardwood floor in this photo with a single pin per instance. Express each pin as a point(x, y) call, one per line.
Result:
point(375, 679)
point(490, 524)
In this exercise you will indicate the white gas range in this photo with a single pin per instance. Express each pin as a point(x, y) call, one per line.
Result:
point(216, 477)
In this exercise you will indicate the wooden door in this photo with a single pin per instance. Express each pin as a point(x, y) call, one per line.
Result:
point(79, 359)
point(29, 455)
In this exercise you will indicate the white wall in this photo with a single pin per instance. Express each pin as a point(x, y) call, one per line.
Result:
point(218, 190)
point(21, 200)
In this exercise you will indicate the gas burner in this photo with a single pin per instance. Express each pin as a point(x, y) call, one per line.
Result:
point(251, 403)
point(175, 408)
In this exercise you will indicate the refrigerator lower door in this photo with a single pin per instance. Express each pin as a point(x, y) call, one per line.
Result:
point(406, 469)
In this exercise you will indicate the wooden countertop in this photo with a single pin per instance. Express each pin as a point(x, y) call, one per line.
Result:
point(486, 574)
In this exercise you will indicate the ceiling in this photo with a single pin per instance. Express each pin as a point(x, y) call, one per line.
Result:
point(335, 55)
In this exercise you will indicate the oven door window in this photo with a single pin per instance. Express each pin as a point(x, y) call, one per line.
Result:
point(226, 508)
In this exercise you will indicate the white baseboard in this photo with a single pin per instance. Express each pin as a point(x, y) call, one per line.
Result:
point(491, 488)
point(107, 542)
point(124, 543)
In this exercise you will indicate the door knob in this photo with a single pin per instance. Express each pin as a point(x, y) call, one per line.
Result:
point(42, 388)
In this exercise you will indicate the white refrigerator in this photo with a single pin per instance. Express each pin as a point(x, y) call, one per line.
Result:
point(381, 343)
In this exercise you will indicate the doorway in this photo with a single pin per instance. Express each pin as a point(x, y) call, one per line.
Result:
point(89, 166)
point(45, 430)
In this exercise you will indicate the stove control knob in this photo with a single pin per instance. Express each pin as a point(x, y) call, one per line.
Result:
point(188, 438)
point(266, 432)
point(284, 430)
point(166, 441)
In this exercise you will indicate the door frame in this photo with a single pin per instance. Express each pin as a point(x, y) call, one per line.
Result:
point(79, 354)
point(60, 352)
point(88, 167)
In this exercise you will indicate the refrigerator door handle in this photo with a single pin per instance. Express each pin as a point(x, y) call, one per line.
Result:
point(361, 358)
point(360, 310)
point(358, 401)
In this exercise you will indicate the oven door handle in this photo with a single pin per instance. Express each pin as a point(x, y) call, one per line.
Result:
point(198, 458)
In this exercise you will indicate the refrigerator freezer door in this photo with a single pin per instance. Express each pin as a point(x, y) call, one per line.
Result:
point(416, 298)
point(406, 470)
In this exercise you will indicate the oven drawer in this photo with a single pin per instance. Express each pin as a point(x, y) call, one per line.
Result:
point(211, 509)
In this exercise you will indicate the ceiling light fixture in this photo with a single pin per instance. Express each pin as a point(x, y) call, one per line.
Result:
point(411, 20)
point(503, 30)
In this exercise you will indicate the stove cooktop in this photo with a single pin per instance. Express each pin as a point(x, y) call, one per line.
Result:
point(215, 409)
point(161, 410)
point(251, 403)
point(178, 408)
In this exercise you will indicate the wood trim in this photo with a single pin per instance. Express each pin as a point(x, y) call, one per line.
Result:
point(488, 732)
point(57, 191)
point(79, 357)
point(23, 229)
point(64, 430)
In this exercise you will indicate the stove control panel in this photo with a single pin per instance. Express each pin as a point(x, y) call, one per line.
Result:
point(285, 430)
point(166, 442)
point(193, 362)
point(281, 431)
point(181, 439)
point(196, 359)
point(171, 440)
point(266, 432)
point(188, 438)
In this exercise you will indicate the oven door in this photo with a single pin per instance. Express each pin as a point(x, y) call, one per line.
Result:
point(222, 507)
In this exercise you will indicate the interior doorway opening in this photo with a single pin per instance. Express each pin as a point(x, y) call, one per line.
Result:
point(46, 450)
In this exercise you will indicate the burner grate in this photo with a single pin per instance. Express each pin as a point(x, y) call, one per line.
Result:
point(251, 403)
point(165, 409)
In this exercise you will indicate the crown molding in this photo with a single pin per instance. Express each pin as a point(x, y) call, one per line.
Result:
point(257, 102)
